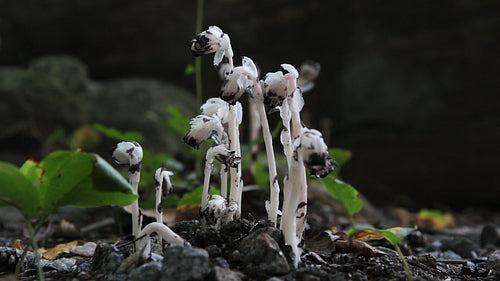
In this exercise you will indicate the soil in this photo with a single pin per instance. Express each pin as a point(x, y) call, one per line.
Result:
point(250, 249)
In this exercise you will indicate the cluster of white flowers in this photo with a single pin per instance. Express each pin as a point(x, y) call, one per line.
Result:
point(303, 148)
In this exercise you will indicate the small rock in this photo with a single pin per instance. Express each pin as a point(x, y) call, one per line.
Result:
point(183, 263)
point(489, 235)
point(147, 272)
point(263, 255)
point(225, 274)
point(106, 258)
point(61, 264)
point(221, 262)
point(465, 247)
point(493, 261)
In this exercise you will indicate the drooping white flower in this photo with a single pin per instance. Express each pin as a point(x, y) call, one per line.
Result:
point(223, 156)
point(275, 89)
point(314, 153)
point(202, 128)
point(239, 80)
point(216, 106)
point(162, 179)
point(212, 40)
point(128, 152)
point(309, 71)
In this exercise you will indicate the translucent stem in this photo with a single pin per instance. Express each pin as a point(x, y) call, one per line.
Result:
point(235, 173)
point(274, 188)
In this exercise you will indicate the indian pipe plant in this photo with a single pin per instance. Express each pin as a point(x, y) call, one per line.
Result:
point(303, 148)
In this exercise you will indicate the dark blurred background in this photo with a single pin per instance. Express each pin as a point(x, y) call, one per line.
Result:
point(410, 87)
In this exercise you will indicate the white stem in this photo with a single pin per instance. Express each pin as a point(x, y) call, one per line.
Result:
point(296, 127)
point(159, 210)
point(163, 231)
point(274, 188)
point(134, 179)
point(290, 204)
point(206, 185)
point(286, 138)
point(235, 191)
point(223, 181)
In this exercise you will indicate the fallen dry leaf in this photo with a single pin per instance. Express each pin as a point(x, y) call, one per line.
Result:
point(17, 244)
point(357, 247)
point(52, 253)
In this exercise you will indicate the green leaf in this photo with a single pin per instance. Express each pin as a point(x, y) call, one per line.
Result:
point(261, 175)
point(32, 171)
point(80, 179)
point(193, 198)
point(341, 156)
point(17, 190)
point(394, 235)
point(117, 135)
point(177, 123)
point(344, 192)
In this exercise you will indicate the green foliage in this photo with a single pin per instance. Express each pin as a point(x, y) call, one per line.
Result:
point(343, 192)
point(17, 190)
point(394, 235)
point(341, 156)
point(193, 198)
point(63, 178)
point(117, 135)
point(262, 175)
point(177, 123)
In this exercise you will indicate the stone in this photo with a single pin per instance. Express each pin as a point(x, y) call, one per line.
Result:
point(493, 261)
point(147, 272)
point(489, 235)
point(183, 263)
point(263, 256)
point(60, 264)
point(464, 247)
point(225, 274)
point(106, 258)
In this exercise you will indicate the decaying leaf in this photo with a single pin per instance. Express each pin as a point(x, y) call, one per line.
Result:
point(320, 242)
point(17, 244)
point(357, 247)
point(52, 253)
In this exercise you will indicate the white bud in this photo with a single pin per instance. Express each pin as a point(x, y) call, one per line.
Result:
point(162, 179)
point(127, 152)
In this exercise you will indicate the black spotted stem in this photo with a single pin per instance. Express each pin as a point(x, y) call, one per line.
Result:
point(130, 152)
point(163, 187)
point(235, 174)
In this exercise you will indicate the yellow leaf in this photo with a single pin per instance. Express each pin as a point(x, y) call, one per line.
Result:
point(367, 234)
point(61, 248)
point(435, 219)
point(17, 244)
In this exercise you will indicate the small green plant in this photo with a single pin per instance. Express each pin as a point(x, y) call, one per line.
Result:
point(63, 178)
point(349, 197)
point(394, 235)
